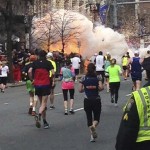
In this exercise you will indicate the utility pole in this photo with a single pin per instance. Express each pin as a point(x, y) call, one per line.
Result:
point(9, 24)
point(115, 20)
point(137, 9)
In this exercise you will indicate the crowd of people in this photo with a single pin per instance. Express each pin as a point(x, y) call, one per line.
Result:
point(100, 70)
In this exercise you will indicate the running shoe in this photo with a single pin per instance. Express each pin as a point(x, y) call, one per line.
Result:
point(66, 112)
point(116, 105)
point(71, 111)
point(30, 111)
point(112, 100)
point(94, 134)
point(37, 121)
point(33, 113)
point(46, 125)
point(92, 139)
point(52, 107)
point(2, 91)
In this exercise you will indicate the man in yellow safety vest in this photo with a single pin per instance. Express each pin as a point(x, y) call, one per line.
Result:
point(134, 131)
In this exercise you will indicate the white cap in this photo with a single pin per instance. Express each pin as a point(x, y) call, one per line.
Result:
point(136, 52)
point(49, 54)
point(107, 53)
point(95, 54)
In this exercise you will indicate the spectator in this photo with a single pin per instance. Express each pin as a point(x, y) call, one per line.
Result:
point(16, 68)
point(4, 70)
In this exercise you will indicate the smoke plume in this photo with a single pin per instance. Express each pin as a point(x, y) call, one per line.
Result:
point(92, 40)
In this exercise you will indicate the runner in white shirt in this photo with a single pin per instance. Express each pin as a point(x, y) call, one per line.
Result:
point(99, 63)
point(4, 70)
point(76, 65)
point(92, 59)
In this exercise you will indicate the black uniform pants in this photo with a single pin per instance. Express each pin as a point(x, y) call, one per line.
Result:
point(92, 109)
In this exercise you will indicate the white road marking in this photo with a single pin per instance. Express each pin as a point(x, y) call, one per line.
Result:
point(58, 94)
point(5, 103)
point(75, 109)
point(78, 109)
point(128, 95)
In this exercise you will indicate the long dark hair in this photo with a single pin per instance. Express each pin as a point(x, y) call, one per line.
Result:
point(91, 70)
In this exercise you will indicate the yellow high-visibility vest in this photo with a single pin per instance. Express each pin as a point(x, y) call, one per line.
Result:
point(125, 61)
point(142, 99)
point(54, 65)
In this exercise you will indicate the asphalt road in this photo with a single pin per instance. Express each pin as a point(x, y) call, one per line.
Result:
point(18, 131)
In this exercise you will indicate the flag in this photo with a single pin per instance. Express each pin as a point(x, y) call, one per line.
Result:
point(102, 12)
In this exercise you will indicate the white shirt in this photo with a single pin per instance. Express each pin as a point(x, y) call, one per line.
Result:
point(76, 62)
point(99, 63)
point(4, 71)
point(92, 59)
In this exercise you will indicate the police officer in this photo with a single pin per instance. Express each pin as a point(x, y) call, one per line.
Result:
point(134, 131)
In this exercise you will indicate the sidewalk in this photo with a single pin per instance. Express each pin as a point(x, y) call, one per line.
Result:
point(16, 84)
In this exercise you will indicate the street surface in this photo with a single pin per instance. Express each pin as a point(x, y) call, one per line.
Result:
point(18, 131)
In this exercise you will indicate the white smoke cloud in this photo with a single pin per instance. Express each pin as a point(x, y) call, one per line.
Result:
point(92, 40)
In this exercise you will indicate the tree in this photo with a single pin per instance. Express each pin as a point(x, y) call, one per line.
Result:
point(57, 26)
point(12, 14)
point(47, 34)
point(7, 14)
point(67, 27)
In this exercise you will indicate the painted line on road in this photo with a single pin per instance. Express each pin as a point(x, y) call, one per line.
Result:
point(78, 109)
point(128, 95)
point(58, 94)
point(6, 103)
point(75, 109)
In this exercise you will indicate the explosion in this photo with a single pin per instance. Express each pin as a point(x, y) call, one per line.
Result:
point(76, 28)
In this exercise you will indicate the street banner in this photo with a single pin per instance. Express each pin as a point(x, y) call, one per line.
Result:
point(103, 12)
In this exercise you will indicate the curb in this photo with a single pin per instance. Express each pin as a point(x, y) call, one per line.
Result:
point(16, 84)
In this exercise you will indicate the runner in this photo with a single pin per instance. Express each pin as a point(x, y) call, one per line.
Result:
point(29, 86)
point(91, 85)
point(114, 72)
point(136, 71)
point(76, 65)
point(125, 64)
point(41, 81)
point(50, 58)
point(106, 65)
point(67, 74)
point(99, 63)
